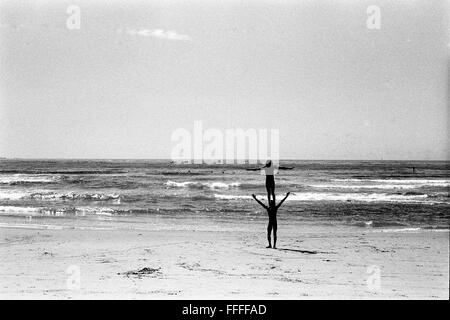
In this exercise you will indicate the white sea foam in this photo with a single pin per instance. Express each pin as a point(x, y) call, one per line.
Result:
point(223, 185)
point(78, 211)
point(13, 195)
point(231, 197)
point(75, 196)
point(326, 196)
point(364, 186)
point(25, 178)
point(197, 184)
point(49, 195)
point(400, 230)
point(15, 209)
point(96, 211)
point(421, 182)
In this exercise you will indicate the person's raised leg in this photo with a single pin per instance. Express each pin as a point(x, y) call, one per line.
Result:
point(269, 230)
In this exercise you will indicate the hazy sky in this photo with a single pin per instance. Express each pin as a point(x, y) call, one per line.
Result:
point(136, 71)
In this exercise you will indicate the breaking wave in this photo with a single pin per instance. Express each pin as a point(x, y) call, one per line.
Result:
point(346, 197)
point(27, 179)
point(404, 182)
point(202, 185)
point(80, 211)
point(364, 186)
point(43, 195)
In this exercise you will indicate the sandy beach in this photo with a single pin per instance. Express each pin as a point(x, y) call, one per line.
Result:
point(312, 261)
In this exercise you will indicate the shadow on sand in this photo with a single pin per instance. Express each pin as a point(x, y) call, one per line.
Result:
point(301, 251)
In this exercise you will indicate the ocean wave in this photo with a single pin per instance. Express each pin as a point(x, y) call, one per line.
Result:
point(202, 185)
point(13, 195)
point(27, 179)
point(17, 209)
point(345, 197)
point(90, 211)
point(231, 197)
point(378, 224)
point(49, 195)
point(439, 195)
point(58, 211)
point(75, 196)
point(183, 173)
point(400, 230)
point(68, 172)
point(364, 186)
point(403, 182)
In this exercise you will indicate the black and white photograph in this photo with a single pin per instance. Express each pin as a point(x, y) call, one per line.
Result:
point(224, 149)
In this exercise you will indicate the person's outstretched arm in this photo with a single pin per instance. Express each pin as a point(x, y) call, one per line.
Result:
point(262, 204)
point(281, 202)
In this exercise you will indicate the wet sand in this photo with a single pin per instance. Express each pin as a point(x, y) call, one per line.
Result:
point(311, 262)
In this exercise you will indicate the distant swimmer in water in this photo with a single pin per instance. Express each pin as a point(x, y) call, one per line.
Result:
point(272, 212)
point(269, 171)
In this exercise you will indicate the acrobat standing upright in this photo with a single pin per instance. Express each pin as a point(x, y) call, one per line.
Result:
point(269, 171)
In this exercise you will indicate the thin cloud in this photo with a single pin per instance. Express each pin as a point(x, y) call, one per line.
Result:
point(156, 33)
